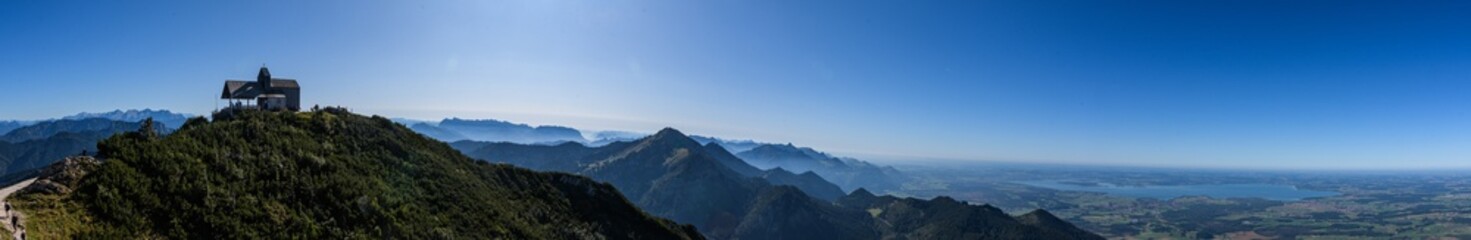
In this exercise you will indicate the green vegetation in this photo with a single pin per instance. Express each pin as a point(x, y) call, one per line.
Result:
point(324, 175)
point(52, 217)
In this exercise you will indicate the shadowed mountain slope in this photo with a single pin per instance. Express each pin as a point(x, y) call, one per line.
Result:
point(99, 126)
point(945, 218)
point(808, 182)
point(6, 126)
point(731, 161)
point(845, 172)
point(1043, 219)
point(44, 142)
point(17, 157)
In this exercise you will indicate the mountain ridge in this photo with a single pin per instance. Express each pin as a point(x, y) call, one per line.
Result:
point(39, 144)
point(7, 125)
point(503, 131)
point(845, 172)
point(671, 175)
point(45, 129)
point(327, 174)
point(168, 118)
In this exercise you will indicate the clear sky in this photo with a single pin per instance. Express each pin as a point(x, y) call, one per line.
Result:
point(1240, 84)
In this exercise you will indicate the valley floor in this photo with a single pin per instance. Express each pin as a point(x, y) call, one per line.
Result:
point(1368, 206)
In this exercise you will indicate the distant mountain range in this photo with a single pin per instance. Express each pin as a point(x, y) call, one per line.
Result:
point(672, 175)
point(734, 146)
point(455, 129)
point(160, 116)
point(945, 218)
point(44, 142)
point(26, 145)
point(165, 117)
point(6, 126)
point(513, 153)
point(99, 126)
point(847, 173)
point(21, 156)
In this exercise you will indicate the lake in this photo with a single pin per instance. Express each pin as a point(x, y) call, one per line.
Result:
point(1263, 191)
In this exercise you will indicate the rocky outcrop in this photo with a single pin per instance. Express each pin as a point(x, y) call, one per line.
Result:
point(63, 176)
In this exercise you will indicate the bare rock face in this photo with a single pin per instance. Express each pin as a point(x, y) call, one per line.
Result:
point(63, 176)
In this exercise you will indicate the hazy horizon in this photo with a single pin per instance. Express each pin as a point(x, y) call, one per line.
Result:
point(1299, 85)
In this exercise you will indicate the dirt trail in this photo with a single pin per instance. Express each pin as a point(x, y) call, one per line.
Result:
point(4, 194)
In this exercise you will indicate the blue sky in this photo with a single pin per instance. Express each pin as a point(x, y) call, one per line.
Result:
point(1235, 84)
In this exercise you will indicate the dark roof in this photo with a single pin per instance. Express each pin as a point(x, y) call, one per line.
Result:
point(240, 89)
point(283, 83)
point(236, 89)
